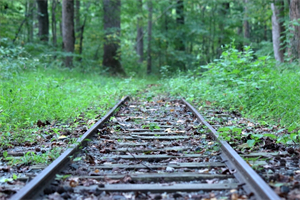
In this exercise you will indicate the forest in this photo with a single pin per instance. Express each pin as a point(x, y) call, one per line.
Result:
point(64, 64)
point(62, 59)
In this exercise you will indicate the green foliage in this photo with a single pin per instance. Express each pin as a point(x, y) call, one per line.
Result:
point(237, 81)
point(151, 126)
point(29, 92)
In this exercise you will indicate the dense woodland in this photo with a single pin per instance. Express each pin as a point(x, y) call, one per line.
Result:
point(135, 36)
point(59, 58)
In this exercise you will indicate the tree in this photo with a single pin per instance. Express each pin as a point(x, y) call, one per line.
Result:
point(112, 24)
point(140, 35)
point(180, 22)
point(150, 10)
point(53, 22)
point(43, 19)
point(29, 12)
point(68, 30)
point(277, 30)
point(295, 29)
point(77, 16)
point(246, 22)
point(224, 11)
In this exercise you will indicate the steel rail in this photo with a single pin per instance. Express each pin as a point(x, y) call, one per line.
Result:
point(245, 174)
point(29, 191)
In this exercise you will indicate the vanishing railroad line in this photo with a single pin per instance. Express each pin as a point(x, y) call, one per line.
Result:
point(157, 150)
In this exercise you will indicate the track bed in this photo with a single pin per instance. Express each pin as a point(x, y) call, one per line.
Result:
point(156, 150)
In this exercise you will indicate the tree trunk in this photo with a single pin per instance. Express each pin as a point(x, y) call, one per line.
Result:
point(140, 35)
point(223, 13)
point(246, 22)
point(43, 19)
point(295, 32)
point(276, 32)
point(149, 66)
point(53, 23)
point(81, 31)
point(180, 22)
point(112, 25)
point(77, 16)
point(68, 30)
point(30, 8)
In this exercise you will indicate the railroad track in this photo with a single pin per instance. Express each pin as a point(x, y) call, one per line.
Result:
point(157, 150)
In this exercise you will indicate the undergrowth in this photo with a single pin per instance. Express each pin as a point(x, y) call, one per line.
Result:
point(258, 88)
point(29, 91)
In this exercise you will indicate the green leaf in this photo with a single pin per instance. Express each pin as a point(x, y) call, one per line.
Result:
point(5, 154)
point(290, 129)
point(251, 143)
point(270, 135)
point(15, 177)
point(77, 159)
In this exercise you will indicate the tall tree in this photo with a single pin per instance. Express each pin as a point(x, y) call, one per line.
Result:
point(43, 19)
point(53, 22)
point(223, 14)
point(246, 22)
point(149, 60)
point(77, 15)
point(295, 38)
point(277, 30)
point(180, 22)
point(140, 34)
point(112, 24)
point(68, 30)
point(29, 12)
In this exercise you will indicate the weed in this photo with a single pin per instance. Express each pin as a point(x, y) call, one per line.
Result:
point(151, 126)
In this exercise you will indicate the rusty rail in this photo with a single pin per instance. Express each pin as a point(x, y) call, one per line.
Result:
point(245, 174)
point(29, 191)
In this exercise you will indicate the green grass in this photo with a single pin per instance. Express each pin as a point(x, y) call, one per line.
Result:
point(47, 94)
point(30, 92)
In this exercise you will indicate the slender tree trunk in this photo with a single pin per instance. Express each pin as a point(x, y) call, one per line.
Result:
point(68, 30)
point(30, 7)
point(81, 37)
point(140, 35)
point(223, 13)
point(43, 19)
point(149, 65)
point(77, 16)
point(246, 22)
point(276, 32)
point(112, 24)
point(295, 39)
point(82, 31)
point(53, 22)
point(180, 22)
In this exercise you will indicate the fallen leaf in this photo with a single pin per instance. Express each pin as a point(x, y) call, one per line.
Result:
point(169, 169)
point(73, 183)
point(203, 171)
point(126, 179)
point(208, 103)
point(111, 181)
point(62, 137)
point(168, 130)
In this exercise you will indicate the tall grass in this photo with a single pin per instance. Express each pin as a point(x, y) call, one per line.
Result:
point(31, 92)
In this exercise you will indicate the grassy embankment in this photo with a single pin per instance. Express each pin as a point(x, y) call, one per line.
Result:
point(258, 88)
point(29, 92)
